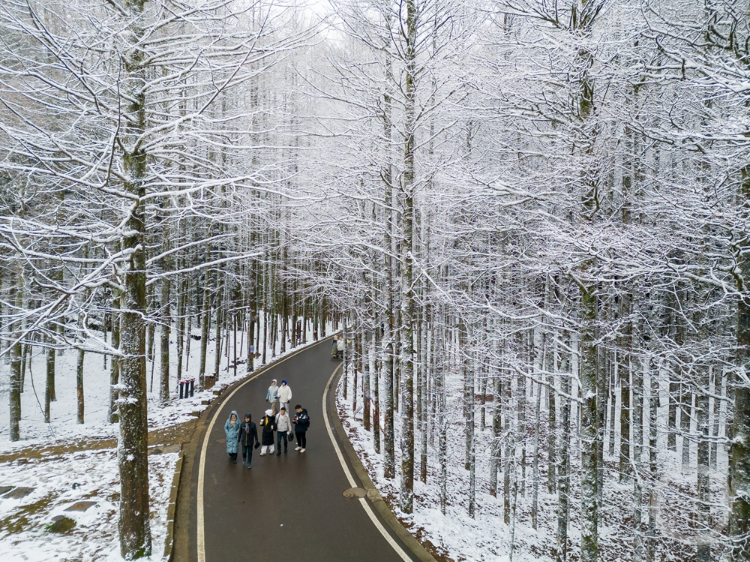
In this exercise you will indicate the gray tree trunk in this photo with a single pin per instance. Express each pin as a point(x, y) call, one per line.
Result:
point(563, 472)
point(590, 435)
point(166, 323)
point(638, 473)
point(16, 297)
point(114, 365)
point(134, 522)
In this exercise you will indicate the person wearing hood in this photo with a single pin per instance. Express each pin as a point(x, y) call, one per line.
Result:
point(232, 429)
point(285, 395)
point(283, 426)
point(268, 425)
point(248, 436)
point(272, 396)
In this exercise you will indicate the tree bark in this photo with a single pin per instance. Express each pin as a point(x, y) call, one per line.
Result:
point(134, 523)
point(114, 365)
point(590, 435)
point(16, 297)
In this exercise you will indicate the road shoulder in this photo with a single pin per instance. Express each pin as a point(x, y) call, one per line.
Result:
point(376, 501)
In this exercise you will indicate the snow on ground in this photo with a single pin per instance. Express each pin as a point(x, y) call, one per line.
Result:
point(25, 523)
point(63, 426)
point(487, 538)
point(24, 531)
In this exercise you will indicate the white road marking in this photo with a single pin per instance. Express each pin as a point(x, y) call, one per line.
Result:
point(201, 522)
point(352, 482)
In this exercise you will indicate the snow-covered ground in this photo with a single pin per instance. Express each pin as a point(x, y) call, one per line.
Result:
point(63, 426)
point(486, 537)
point(24, 523)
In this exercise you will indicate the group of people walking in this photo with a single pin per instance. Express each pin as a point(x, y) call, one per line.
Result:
point(242, 436)
point(337, 347)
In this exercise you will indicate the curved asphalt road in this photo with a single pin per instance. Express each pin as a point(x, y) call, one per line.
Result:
point(289, 507)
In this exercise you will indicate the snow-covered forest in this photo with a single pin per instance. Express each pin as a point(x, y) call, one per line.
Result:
point(529, 217)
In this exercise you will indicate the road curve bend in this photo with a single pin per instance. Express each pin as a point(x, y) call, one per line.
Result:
point(289, 507)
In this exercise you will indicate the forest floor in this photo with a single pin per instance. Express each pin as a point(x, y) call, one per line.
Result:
point(59, 485)
point(456, 536)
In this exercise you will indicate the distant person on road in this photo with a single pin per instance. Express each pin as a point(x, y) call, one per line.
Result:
point(334, 349)
point(268, 425)
point(248, 436)
point(301, 423)
point(272, 396)
point(285, 395)
point(283, 426)
point(340, 347)
point(232, 430)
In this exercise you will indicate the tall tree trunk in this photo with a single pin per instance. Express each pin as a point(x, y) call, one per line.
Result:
point(50, 379)
point(180, 324)
point(563, 472)
point(252, 316)
point(375, 344)
point(134, 523)
point(653, 467)
point(468, 376)
point(442, 420)
point(425, 363)
point(509, 455)
point(495, 449)
point(716, 378)
point(703, 483)
point(590, 435)
point(16, 297)
point(638, 473)
point(219, 322)
point(552, 431)
point(79, 387)
point(535, 477)
point(166, 323)
point(114, 366)
point(623, 371)
point(205, 328)
point(368, 361)
point(686, 406)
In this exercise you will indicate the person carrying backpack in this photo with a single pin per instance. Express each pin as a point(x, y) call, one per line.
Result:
point(268, 423)
point(301, 423)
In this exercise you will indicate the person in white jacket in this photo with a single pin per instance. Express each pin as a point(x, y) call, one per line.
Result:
point(285, 395)
point(283, 427)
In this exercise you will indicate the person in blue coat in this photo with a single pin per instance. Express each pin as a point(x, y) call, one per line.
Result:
point(232, 429)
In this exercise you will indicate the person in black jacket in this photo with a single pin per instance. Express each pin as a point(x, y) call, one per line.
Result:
point(248, 436)
point(268, 425)
point(301, 423)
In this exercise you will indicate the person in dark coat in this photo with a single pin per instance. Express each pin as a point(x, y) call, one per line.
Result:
point(248, 436)
point(301, 423)
point(232, 430)
point(268, 425)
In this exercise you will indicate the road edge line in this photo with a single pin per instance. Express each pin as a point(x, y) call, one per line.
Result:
point(378, 503)
point(200, 517)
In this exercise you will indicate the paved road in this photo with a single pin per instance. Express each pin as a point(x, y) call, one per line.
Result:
point(289, 507)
